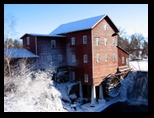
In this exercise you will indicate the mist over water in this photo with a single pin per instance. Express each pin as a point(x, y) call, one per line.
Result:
point(134, 88)
point(133, 96)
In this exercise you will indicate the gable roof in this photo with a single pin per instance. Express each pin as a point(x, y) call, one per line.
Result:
point(79, 25)
point(19, 53)
point(122, 50)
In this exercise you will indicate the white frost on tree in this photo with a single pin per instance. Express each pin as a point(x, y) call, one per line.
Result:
point(32, 94)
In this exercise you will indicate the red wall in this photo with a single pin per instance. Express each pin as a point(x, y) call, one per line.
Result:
point(96, 71)
point(30, 47)
point(121, 54)
point(102, 69)
point(80, 49)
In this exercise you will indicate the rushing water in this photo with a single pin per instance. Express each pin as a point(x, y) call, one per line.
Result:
point(133, 95)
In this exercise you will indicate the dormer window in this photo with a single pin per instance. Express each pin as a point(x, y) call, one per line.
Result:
point(28, 40)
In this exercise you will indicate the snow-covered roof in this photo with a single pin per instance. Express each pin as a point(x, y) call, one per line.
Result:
point(79, 25)
point(19, 53)
point(42, 35)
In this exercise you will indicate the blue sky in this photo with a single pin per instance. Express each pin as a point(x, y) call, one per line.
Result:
point(44, 18)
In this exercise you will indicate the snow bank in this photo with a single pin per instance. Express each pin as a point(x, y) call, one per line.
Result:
point(33, 94)
point(140, 65)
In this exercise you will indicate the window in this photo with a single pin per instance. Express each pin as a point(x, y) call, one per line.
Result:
point(105, 41)
point(113, 42)
point(105, 27)
point(85, 77)
point(97, 41)
point(73, 75)
point(98, 58)
point(123, 60)
point(28, 40)
point(113, 57)
point(73, 58)
point(54, 57)
point(59, 58)
point(127, 61)
point(53, 43)
point(106, 58)
point(85, 58)
point(85, 39)
point(73, 40)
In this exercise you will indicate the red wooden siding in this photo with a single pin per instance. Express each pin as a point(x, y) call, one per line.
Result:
point(79, 49)
point(102, 69)
point(30, 47)
point(122, 53)
point(96, 71)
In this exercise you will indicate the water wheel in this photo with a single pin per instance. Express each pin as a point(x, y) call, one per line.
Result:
point(112, 86)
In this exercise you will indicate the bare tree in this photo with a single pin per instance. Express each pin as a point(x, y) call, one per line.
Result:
point(123, 41)
point(9, 26)
point(9, 30)
point(136, 42)
point(17, 44)
point(122, 32)
point(145, 48)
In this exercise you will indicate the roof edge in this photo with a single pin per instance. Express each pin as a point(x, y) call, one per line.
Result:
point(122, 49)
point(42, 35)
point(99, 21)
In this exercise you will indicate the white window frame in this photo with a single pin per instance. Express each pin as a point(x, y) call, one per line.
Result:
point(105, 27)
point(105, 41)
point(73, 40)
point(127, 61)
point(98, 58)
point(113, 57)
point(85, 77)
point(97, 41)
point(123, 60)
point(85, 39)
point(106, 57)
point(73, 75)
point(85, 58)
point(28, 40)
point(53, 43)
point(73, 58)
point(60, 58)
point(113, 42)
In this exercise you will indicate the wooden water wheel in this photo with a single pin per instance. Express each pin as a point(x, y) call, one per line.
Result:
point(112, 86)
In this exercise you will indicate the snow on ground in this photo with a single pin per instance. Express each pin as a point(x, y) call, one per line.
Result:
point(140, 65)
point(33, 95)
point(42, 95)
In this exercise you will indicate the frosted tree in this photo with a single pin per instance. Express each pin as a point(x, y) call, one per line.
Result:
point(9, 31)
